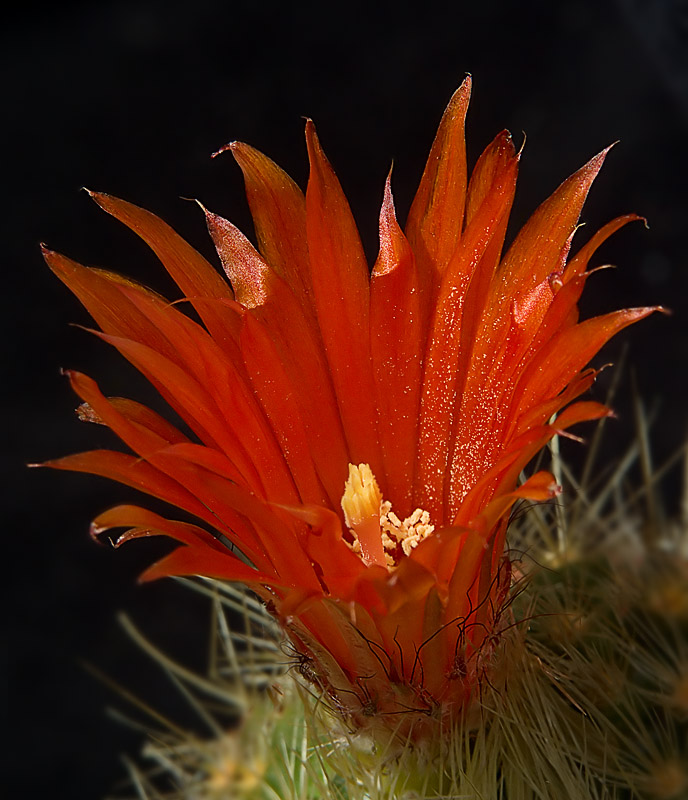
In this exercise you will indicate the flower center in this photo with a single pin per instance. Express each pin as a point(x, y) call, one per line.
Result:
point(379, 536)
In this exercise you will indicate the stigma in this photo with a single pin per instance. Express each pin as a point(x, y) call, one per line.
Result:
point(379, 536)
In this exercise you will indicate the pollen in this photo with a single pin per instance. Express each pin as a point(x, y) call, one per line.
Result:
point(408, 533)
point(379, 536)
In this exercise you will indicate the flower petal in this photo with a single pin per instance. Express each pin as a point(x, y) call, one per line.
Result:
point(397, 334)
point(279, 216)
point(341, 286)
point(187, 267)
point(444, 362)
point(435, 220)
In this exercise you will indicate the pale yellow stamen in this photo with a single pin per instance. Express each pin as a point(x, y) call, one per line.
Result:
point(376, 529)
point(409, 533)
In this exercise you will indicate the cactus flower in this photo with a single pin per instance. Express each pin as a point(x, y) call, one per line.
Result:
point(354, 437)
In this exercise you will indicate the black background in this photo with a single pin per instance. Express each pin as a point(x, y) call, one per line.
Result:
point(132, 98)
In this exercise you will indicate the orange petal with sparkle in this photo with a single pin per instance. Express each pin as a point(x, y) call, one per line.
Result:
point(138, 474)
point(146, 523)
point(542, 243)
point(277, 397)
point(397, 332)
point(147, 418)
point(142, 522)
point(325, 545)
point(186, 266)
point(579, 263)
point(296, 343)
point(188, 560)
point(566, 354)
point(341, 287)
point(247, 272)
point(278, 208)
point(435, 219)
point(442, 377)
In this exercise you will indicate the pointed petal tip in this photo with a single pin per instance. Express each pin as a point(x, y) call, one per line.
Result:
point(94, 195)
point(103, 199)
point(231, 146)
point(51, 257)
point(312, 140)
point(148, 576)
point(465, 87)
point(632, 217)
point(461, 96)
point(595, 163)
point(458, 102)
point(585, 175)
point(46, 252)
point(72, 375)
point(387, 198)
point(318, 160)
point(209, 215)
point(217, 225)
point(94, 531)
point(58, 264)
point(506, 141)
point(388, 179)
point(645, 311)
point(252, 162)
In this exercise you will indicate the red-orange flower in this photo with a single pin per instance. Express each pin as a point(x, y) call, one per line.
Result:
point(355, 439)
